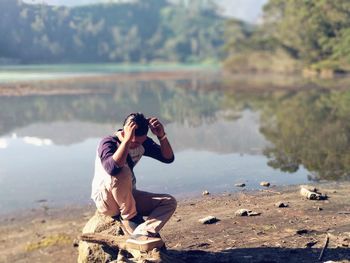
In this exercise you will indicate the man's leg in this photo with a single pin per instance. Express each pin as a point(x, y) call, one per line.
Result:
point(121, 190)
point(106, 204)
point(157, 207)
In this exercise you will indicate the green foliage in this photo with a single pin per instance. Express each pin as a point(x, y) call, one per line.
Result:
point(316, 32)
point(139, 31)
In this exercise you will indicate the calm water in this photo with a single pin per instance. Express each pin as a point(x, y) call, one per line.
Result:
point(221, 136)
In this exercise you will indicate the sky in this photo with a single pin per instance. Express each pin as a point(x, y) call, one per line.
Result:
point(247, 10)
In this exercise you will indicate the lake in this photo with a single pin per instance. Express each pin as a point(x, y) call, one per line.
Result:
point(223, 131)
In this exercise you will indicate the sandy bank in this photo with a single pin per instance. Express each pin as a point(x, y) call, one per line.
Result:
point(292, 234)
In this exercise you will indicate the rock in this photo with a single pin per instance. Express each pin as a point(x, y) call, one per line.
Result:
point(266, 184)
point(281, 204)
point(246, 212)
point(75, 243)
point(302, 231)
point(345, 242)
point(310, 244)
point(91, 252)
point(252, 213)
point(311, 193)
point(240, 185)
point(209, 220)
point(206, 192)
point(242, 212)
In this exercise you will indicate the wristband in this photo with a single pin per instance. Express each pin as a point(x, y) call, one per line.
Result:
point(163, 137)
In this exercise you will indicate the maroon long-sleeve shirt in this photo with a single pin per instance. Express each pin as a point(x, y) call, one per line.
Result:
point(109, 145)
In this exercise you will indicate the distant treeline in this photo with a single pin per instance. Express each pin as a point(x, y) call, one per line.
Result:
point(138, 31)
point(313, 35)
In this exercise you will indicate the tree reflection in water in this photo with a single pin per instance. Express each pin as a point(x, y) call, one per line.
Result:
point(308, 127)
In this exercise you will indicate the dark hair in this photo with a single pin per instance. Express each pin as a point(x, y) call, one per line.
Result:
point(141, 121)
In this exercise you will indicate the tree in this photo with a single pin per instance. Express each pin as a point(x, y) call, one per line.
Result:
point(315, 32)
point(137, 31)
point(310, 30)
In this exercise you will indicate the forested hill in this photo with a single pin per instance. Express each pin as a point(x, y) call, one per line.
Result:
point(295, 35)
point(142, 31)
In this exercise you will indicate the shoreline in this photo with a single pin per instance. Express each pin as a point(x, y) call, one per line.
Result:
point(44, 206)
point(204, 79)
point(50, 236)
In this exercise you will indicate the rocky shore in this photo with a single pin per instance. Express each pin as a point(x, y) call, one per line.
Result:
point(280, 225)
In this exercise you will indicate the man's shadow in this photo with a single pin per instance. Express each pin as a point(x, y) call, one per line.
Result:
point(261, 255)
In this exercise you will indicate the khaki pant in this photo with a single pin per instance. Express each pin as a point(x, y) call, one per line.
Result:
point(120, 198)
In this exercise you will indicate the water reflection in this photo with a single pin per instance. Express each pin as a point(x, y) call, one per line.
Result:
point(308, 128)
point(221, 135)
point(102, 103)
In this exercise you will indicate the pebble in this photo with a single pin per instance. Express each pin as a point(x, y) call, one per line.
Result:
point(75, 243)
point(302, 231)
point(240, 185)
point(281, 204)
point(209, 220)
point(252, 213)
point(310, 244)
point(246, 212)
point(312, 193)
point(266, 184)
point(345, 242)
point(206, 192)
point(242, 212)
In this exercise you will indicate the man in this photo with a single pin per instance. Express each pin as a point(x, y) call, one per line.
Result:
point(114, 184)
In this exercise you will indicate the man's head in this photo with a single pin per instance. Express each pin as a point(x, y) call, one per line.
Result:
point(141, 129)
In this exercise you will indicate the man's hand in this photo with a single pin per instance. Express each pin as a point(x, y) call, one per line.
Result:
point(129, 130)
point(156, 127)
point(128, 133)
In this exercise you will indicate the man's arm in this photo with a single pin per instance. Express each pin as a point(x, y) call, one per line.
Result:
point(165, 147)
point(113, 158)
point(164, 152)
point(153, 150)
point(106, 149)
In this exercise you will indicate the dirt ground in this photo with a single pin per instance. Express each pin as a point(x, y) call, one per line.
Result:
point(295, 233)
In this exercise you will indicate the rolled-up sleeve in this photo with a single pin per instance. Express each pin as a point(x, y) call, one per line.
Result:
point(153, 150)
point(106, 149)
